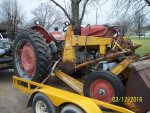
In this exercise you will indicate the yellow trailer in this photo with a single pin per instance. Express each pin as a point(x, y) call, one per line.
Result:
point(47, 99)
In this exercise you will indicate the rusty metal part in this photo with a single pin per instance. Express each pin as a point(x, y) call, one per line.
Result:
point(125, 74)
point(67, 67)
point(128, 44)
point(109, 56)
point(146, 56)
point(73, 83)
point(138, 87)
point(122, 65)
point(118, 42)
point(137, 46)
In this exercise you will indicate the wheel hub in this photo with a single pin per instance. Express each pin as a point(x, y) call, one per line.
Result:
point(28, 59)
point(40, 107)
point(102, 90)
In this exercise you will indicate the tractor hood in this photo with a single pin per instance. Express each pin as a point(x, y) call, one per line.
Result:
point(98, 31)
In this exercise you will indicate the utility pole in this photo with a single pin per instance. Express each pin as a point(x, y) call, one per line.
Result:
point(66, 9)
point(96, 15)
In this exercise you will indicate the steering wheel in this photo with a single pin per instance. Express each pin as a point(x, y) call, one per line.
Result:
point(66, 25)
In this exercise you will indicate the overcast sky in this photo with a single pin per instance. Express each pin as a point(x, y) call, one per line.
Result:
point(29, 5)
point(90, 17)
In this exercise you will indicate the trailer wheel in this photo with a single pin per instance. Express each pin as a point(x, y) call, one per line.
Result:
point(104, 86)
point(31, 56)
point(70, 108)
point(42, 104)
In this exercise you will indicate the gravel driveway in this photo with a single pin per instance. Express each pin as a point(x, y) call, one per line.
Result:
point(11, 99)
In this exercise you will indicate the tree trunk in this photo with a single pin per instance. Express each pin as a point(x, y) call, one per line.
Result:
point(75, 13)
point(139, 33)
point(75, 18)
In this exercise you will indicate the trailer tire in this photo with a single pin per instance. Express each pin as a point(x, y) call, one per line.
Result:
point(104, 86)
point(40, 101)
point(71, 108)
point(32, 56)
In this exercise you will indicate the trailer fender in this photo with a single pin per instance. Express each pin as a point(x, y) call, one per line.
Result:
point(61, 97)
point(29, 104)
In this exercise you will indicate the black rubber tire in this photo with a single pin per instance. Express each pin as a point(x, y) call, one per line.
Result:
point(45, 100)
point(42, 53)
point(71, 108)
point(108, 76)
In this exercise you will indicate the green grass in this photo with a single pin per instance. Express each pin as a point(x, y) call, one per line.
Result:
point(145, 48)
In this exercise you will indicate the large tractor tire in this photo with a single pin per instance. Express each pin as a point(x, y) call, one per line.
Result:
point(32, 56)
point(104, 86)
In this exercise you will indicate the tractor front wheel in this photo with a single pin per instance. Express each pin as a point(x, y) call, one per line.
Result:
point(103, 86)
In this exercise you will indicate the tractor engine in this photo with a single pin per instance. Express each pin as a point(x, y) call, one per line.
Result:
point(91, 52)
point(83, 54)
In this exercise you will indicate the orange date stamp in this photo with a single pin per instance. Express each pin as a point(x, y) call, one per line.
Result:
point(127, 99)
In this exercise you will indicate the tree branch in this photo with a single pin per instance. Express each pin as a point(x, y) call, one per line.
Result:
point(83, 10)
point(62, 9)
point(79, 1)
point(148, 2)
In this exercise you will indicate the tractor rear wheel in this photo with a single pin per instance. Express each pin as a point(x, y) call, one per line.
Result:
point(104, 86)
point(31, 56)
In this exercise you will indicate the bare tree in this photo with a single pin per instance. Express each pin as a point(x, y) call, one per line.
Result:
point(147, 1)
point(124, 23)
point(11, 14)
point(137, 9)
point(78, 9)
point(139, 21)
point(128, 6)
point(48, 15)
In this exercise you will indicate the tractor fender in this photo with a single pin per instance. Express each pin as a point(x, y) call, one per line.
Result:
point(47, 36)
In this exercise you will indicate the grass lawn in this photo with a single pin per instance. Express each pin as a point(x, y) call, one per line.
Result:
point(146, 45)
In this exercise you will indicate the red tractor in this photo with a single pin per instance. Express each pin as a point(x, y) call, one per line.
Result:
point(99, 52)
point(34, 48)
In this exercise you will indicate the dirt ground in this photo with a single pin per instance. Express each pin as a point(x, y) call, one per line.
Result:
point(13, 100)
